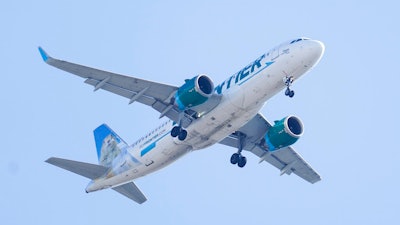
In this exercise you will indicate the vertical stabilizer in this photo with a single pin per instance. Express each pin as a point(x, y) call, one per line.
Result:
point(108, 144)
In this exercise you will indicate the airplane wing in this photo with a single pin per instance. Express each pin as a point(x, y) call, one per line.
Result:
point(157, 95)
point(131, 191)
point(285, 159)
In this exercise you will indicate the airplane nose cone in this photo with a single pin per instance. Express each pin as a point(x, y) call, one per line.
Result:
point(318, 49)
point(315, 51)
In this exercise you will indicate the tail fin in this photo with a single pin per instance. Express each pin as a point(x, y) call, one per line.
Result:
point(108, 144)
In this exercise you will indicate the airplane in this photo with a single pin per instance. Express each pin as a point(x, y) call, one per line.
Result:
point(199, 115)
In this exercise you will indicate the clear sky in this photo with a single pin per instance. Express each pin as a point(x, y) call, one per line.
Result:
point(349, 105)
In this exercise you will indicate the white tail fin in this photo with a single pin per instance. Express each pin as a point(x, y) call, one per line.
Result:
point(108, 144)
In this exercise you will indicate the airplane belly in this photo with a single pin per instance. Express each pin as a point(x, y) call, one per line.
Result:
point(219, 123)
point(239, 105)
point(153, 162)
point(165, 152)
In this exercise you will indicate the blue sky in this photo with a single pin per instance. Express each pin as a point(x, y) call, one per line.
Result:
point(348, 104)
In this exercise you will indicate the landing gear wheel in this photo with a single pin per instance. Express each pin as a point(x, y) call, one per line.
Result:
point(291, 94)
point(175, 131)
point(287, 92)
point(239, 160)
point(288, 82)
point(182, 136)
point(235, 158)
point(242, 161)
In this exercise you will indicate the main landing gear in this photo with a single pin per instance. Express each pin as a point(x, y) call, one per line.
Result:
point(288, 83)
point(237, 158)
point(179, 132)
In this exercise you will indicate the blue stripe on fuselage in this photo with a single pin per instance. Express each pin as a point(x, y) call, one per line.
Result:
point(148, 149)
point(152, 145)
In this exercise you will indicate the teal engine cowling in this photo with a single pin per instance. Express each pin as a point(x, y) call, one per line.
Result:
point(194, 92)
point(283, 133)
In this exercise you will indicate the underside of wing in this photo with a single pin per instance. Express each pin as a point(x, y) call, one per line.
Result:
point(288, 161)
point(285, 159)
point(157, 95)
point(135, 89)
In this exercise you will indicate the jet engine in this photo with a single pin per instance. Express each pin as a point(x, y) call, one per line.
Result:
point(284, 132)
point(194, 92)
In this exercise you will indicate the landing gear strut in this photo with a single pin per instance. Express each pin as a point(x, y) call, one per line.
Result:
point(237, 158)
point(178, 131)
point(288, 83)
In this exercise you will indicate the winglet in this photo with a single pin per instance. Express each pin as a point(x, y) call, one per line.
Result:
point(44, 55)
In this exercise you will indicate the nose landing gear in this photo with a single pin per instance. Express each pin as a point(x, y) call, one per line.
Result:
point(288, 82)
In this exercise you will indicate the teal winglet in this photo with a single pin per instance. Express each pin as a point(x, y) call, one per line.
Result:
point(44, 55)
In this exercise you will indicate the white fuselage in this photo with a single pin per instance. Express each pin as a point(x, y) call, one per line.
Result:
point(243, 95)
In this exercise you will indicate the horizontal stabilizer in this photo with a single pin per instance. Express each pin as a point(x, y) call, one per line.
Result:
point(131, 191)
point(87, 170)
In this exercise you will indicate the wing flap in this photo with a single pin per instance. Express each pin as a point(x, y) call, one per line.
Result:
point(87, 170)
point(287, 161)
point(131, 191)
point(144, 99)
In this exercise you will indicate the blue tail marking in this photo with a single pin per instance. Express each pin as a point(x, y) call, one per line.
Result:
point(108, 144)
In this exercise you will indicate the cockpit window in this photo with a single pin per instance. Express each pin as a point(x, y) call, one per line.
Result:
point(297, 40)
point(294, 41)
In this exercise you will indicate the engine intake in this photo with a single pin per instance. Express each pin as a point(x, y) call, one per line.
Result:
point(194, 92)
point(284, 132)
